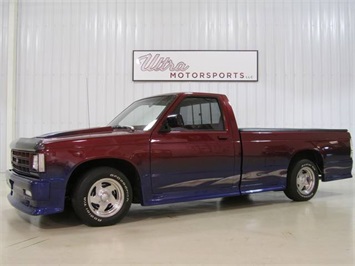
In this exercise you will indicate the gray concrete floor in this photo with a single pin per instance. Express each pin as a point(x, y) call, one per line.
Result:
point(261, 229)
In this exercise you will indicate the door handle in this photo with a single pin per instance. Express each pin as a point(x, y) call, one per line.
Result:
point(222, 137)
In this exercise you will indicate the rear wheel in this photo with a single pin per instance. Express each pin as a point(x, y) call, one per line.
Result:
point(302, 181)
point(102, 196)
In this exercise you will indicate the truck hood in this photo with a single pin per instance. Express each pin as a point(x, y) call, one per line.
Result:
point(77, 133)
point(36, 143)
point(92, 134)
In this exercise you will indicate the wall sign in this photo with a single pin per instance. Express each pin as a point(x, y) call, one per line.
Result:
point(195, 65)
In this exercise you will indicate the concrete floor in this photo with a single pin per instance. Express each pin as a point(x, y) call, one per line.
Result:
point(260, 229)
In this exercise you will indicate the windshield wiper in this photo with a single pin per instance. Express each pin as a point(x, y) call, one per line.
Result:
point(130, 128)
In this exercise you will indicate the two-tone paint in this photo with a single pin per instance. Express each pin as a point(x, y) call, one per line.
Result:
point(175, 166)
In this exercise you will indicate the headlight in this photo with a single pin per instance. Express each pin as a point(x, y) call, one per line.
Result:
point(38, 162)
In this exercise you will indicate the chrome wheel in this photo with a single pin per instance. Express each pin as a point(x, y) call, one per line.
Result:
point(102, 196)
point(105, 197)
point(302, 180)
point(306, 180)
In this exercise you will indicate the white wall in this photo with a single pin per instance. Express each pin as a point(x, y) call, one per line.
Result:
point(66, 49)
point(4, 16)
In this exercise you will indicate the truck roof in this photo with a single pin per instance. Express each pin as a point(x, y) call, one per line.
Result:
point(192, 93)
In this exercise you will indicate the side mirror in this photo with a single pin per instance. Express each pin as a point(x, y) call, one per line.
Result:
point(175, 120)
point(172, 121)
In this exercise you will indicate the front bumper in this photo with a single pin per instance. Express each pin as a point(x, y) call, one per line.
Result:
point(35, 196)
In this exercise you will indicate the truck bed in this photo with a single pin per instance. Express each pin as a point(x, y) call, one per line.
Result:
point(289, 129)
point(272, 149)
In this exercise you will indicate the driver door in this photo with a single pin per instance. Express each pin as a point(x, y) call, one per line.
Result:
point(199, 156)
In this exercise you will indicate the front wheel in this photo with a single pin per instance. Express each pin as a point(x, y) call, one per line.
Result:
point(302, 181)
point(102, 196)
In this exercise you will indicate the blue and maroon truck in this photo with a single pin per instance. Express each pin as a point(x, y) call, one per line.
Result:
point(170, 148)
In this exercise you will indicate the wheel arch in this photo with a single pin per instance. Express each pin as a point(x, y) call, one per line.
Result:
point(125, 167)
point(312, 155)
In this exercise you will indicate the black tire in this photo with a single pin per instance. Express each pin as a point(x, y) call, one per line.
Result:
point(302, 181)
point(102, 196)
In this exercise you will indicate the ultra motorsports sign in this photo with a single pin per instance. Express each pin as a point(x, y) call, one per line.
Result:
point(195, 65)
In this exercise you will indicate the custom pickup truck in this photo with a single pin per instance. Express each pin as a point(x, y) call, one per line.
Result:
point(166, 149)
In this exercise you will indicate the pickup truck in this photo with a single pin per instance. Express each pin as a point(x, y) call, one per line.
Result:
point(165, 149)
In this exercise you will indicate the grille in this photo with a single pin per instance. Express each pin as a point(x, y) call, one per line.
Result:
point(21, 161)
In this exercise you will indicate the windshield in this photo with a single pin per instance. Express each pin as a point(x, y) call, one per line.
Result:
point(142, 114)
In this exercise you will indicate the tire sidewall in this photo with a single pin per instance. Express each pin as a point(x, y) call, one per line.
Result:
point(292, 191)
point(81, 192)
point(315, 187)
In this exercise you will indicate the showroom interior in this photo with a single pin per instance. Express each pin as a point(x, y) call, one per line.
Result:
point(67, 65)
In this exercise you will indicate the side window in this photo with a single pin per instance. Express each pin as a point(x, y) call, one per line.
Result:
point(200, 113)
